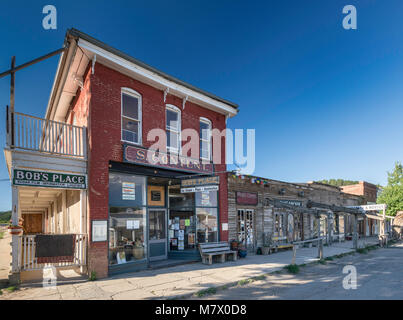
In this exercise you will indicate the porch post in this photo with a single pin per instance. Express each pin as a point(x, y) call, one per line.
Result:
point(83, 226)
point(55, 217)
point(14, 276)
point(355, 233)
point(64, 212)
point(330, 227)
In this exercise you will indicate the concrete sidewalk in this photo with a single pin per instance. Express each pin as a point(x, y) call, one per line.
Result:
point(179, 281)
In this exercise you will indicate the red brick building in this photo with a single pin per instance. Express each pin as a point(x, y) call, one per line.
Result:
point(367, 190)
point(134, 209)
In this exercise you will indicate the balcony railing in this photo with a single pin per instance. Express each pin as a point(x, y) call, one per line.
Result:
point(48, 136)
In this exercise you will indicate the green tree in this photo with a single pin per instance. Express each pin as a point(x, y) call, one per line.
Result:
point(392, 194)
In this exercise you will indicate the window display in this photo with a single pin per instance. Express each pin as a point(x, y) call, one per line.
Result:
point(207, 228)
point(127, 230)
point(181, 230)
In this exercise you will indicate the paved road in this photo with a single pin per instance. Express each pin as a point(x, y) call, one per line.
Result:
point(379, 276)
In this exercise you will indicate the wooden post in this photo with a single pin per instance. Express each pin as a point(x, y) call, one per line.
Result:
point(355, 233)
point(64, 210)
point(294, 253)
point(12, 85)
point(55, 217)
point(15, 239)
point(83, 226)
point(330, 228)
point(320, 249)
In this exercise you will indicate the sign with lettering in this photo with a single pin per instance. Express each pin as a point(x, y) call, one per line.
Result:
point(370, 207)
point(247, 198)
point(200, 181)
point(22, 177)
point(199, 189)
point(295, 203)
point(153, 158)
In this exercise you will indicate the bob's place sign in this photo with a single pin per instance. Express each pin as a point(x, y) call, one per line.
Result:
point(165, 160)
point(48, 179)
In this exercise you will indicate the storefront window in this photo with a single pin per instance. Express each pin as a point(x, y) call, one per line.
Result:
point(206, 199)
point(181, 228)
point(127, 234)
point(181, 201)
point(126, 190)
point(207, 229)
point(181, 220)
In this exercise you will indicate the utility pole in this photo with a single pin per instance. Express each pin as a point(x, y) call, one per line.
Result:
point(12, 85)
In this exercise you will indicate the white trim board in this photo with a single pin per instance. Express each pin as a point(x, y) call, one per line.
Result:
point(156, 80)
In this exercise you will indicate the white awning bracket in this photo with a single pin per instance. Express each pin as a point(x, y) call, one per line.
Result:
point(93, 63)
point(166, 91)
point(184, 102)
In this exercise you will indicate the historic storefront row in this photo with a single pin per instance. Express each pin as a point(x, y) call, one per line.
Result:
point(261, 211)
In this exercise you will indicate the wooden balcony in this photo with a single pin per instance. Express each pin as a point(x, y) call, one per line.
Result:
point(34, 134)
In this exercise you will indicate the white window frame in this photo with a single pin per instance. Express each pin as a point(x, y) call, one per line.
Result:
point(135, 94)
point(209, 123)
point(173, 108)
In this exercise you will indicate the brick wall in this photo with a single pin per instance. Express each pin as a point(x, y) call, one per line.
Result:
point(99, 104)
point(365, 189)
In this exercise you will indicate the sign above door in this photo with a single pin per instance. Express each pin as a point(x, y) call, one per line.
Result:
point(22, 177)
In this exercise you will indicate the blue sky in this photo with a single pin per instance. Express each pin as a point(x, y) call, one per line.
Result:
point(325, 102)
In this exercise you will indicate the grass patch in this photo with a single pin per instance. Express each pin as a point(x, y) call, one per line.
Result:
point(292, 268)
point(329, 259)
point(93, 276)
point(244, 282)
point(322, 261)
point(362, 250)
point(11, 289)
point(1, 292)
point(1, 234)
point(206, 292)
point(257, 278)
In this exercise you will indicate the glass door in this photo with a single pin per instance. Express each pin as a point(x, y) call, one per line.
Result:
point(157, 234)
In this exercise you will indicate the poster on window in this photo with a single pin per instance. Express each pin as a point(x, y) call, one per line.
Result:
point(181, 245)
point(132, 224)
point(128, 191)
point(181, 235)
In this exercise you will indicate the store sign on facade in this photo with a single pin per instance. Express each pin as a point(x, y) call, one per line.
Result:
point(247, 198)
point(370, 207)
point(200, 181)
point(32, 178)
point(295, 203)
point(199, 189)
point(164, 160)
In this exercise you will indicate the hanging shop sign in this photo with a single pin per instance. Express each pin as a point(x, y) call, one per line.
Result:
point(370, 207)
point(199, 189)
point(32, 178)
point(200, 181)
point(246, 198)
point(153, 158)
point(295, 203)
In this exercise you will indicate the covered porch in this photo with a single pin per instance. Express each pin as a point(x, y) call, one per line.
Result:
point(47, 164)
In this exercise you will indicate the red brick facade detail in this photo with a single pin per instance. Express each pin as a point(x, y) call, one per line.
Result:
point(102, 95)
point(365, 189)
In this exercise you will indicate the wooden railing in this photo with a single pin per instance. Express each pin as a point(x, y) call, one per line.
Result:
point(28, 260)
point(36, 134)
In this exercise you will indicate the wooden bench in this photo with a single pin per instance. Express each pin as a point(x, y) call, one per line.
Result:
point(280, 243)
point(211, 249)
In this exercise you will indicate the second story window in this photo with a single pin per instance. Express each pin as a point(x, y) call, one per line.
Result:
point(131, 116)
point(173, 127)
point(205, 139)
